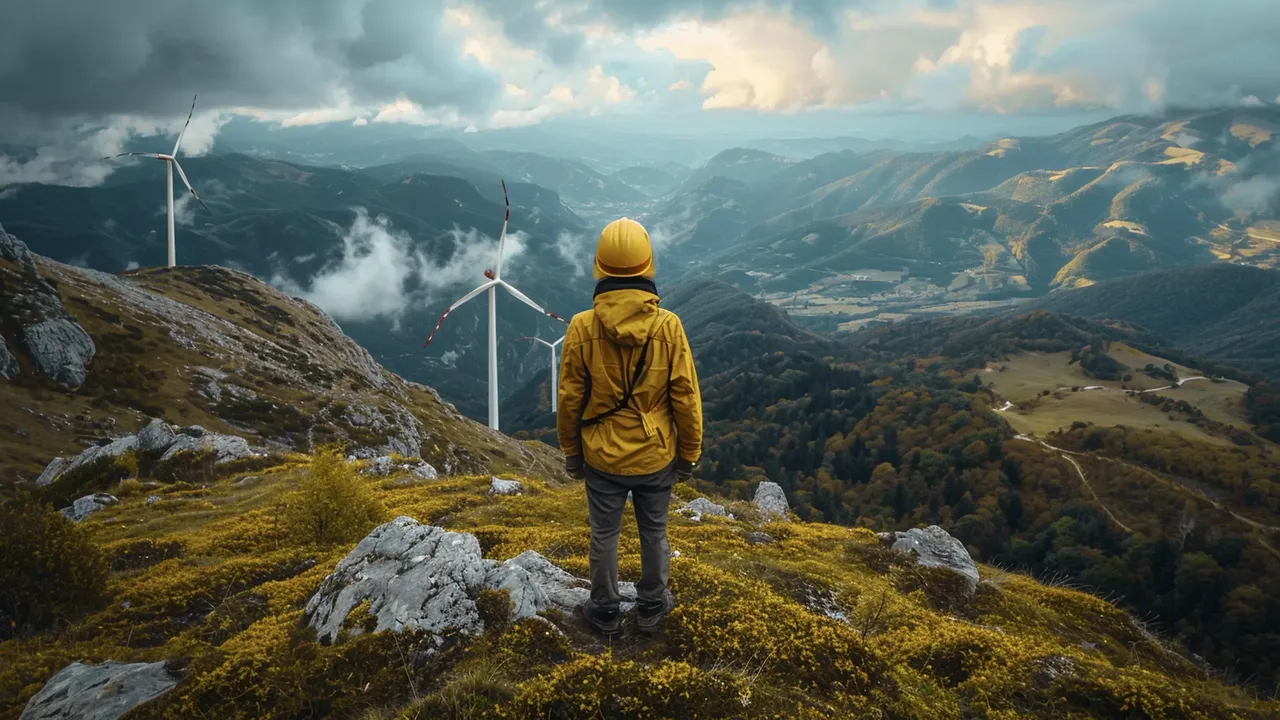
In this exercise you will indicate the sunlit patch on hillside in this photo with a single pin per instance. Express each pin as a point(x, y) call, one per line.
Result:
point(1181, 156)
point(1252, 132)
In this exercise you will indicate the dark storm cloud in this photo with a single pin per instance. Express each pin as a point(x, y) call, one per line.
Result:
point(71, 57)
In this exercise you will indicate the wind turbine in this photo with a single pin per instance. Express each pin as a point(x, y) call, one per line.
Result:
point(170, 162)
point(495, 281)
point(555, 375)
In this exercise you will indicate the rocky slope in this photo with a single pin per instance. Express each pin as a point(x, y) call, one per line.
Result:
point(91, 357)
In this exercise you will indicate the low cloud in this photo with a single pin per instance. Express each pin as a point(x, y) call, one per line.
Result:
point(1253, 196)
point(573, 250)
point(383, 273)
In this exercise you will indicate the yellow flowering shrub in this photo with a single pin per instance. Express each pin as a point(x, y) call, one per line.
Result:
point(820, 622)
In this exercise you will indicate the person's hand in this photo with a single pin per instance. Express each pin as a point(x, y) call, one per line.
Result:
point(684, 470)
point(574, 466)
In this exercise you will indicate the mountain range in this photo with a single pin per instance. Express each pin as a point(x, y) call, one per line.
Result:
point(866, 234)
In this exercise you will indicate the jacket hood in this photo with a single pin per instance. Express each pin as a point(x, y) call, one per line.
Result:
point(627, 309)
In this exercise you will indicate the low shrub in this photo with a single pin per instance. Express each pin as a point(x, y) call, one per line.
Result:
point(49, 568)
point(332, 504)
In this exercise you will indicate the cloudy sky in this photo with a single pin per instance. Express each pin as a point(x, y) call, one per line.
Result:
point(130, 66)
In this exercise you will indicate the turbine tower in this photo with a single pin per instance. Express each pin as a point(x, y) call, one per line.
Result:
point(555, 369)
point(171, 162)
point(494, 282)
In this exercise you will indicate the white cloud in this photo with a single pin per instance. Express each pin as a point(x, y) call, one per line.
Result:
point(382, 272)
point(132, 265)
point(368, 282)
point(679, 85)
point(574, 250)
point(1256, 195)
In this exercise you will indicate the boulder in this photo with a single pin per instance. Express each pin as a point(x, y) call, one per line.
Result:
point(385, 465)
point(935, 547)
point(544, 579)
point(98, 692)
point(56, 467)
point(156, 436)
point(225, 447)
point(771, 501)
point(89, 504)
point(702, 506)
point(59, 467)
point(759, 538)
point(8, 363)
point(58, 347)
point(420, 577)
point(498, 486)
point(414, 576)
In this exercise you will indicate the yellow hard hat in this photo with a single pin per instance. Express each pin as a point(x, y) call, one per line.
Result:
point(624, 250)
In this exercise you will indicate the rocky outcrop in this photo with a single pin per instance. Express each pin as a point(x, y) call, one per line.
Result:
point(224, 447)
point(98, 692)
point(60, 466)
point(420, 577)
point(58, 347)
point(8, 363)
point(414, 577)
point(386, 465)
point(935, 547)
point(702, 506)
point(156, 437)
point(771, 501)
point(56, 467)
point(498, 486)
point(89, 504)
point(401, 430)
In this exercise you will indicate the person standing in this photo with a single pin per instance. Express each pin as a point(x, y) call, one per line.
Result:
point(629, 420)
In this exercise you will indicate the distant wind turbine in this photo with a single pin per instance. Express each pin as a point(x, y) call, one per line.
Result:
point(555, 369)
point(170, 162)
point(495, 281)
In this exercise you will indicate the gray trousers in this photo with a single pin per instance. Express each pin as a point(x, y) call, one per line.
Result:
point(606, 499)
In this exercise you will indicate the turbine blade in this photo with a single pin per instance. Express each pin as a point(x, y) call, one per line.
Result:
point(502, 237)
point(455, 306)
point(524, 299)
point(139, 154)
point(188, 184)
point(184, 127)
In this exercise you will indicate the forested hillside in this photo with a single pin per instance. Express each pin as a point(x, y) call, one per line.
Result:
point(897, 428)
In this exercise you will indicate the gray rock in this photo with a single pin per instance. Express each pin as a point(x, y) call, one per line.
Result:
point(56, 467)
point(936, 547)
point(225, 447)
point(89, 504)
point(414, 576)
point(385, 465)
point(536, 582)
point(59, 467)
point(759, 538)
point(401, 429)
point(60, 349)
point(153, 499)
point(98, 692)
point(156, 436)
point(702, 506)
point(771, 501)
point(9, 367)
point(498, 486)
point(422, 577)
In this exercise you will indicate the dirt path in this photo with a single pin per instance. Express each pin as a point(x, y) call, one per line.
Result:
point(1067, 455)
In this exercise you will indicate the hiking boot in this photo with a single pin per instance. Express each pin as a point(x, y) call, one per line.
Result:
point(649, 616)
point(605, 622)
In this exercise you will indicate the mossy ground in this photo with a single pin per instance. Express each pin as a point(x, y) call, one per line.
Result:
point(821, 623)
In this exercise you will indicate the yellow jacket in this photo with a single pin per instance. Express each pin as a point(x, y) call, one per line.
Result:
point(601, 349)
